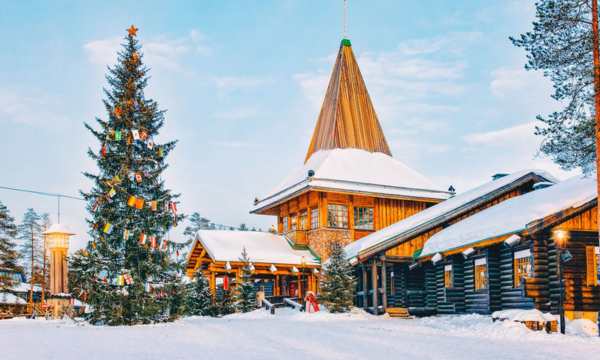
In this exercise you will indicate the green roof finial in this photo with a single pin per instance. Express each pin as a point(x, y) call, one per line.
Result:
point(346, 42)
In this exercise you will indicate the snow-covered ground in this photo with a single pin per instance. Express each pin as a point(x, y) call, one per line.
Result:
point(292, 335)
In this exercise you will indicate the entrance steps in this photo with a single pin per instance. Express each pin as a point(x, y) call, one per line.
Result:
point(398, 312)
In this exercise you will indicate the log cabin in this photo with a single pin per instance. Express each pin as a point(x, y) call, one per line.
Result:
point(349, 186)
point(510, 256)
point(385, 259)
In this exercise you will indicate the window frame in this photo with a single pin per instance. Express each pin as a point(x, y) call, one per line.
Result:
point(481, 283)
point(448, 276)
point(340, 211)
point(314, 218)
point(522, 266)
point(367, 212)
point(302, 220)
point(284, 224)
point(293, 222)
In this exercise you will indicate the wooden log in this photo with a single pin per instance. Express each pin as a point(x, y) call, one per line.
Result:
point(384, 285)
point(364, 287)
point(374, 286)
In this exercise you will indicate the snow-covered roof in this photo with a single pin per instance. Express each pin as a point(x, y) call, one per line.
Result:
point(354, 170)
point(23, 287)
point(262, 247)
point(59, 228)
point(11, 299)
point(433, 216)
point(514, 215)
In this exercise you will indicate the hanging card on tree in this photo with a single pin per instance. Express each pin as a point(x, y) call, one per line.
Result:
point(143, 134)
point(136, 134)
point(139, 203)
point(142, 239)
point(107, 228)
point(126, 234)
point(112, 192)
point(154, 205)
point(153, 241)
point(138, 177)
point(131, 201)
point(117, 135)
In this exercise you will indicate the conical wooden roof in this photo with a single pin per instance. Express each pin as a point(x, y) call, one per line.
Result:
point(347, 118)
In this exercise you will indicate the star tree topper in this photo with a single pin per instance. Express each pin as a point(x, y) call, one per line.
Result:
point(132, 31)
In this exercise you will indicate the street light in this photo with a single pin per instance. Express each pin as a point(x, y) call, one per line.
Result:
point(561, 237)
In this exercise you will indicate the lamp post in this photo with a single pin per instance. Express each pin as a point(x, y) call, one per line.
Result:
point(561, 237)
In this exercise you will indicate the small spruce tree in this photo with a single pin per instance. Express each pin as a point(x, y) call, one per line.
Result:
point(337, 283)
point(32, 245)
point(8, 253)
point(199, 298)
point(226, 304)
point(246, 294)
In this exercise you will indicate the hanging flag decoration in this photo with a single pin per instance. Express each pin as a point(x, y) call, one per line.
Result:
point(117, 135)
point(154, 205)
point(161, 152)
point(107, 228)
point(120, 280)
point(128, 279)
point(118, 111)
point(143, 135)
point(139, 203)
point(138, 177)
point(131, 201)
point(153, 242)
point(126, 234)
point(136, 134)
point(165, 244)
point(142, 239)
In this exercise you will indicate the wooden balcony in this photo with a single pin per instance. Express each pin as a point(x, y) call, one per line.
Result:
point(298, 237)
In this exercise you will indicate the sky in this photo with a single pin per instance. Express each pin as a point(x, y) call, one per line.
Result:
point(243, 81)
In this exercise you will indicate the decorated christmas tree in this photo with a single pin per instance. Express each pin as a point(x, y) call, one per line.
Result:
point(128, 273)
point(8, 249)
point(199, 298)
point(226, 303)
point(246, 295)
point(338, 283)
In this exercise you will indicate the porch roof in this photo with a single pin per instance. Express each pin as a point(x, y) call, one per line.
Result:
point(262, 247)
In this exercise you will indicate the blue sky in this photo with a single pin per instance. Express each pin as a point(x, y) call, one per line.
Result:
point(242, 82)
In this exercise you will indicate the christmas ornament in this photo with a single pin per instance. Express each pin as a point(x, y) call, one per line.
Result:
point(153, 205)
point(139, 203)
point(161, 152)
point(126, 234)
point(131, 201)
point(165, 244)
point(128, 279)
point(150, 144)
point(153, 241)
point(132, 31)
point(117, 135)
point(135, 58)
point(142, 239)
point(118, 112)
point(143, 135)
point(112, 192)
point(136, 134)
point(120, 281)
point(94, 245)
point(138, 177)
point(103, 150)
point(107, 228)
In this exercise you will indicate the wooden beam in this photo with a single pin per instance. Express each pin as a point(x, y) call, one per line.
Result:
point(374, 286)
point(384, 285)
point(365, 289)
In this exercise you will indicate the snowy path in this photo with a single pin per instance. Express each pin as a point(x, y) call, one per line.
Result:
point(290, 335)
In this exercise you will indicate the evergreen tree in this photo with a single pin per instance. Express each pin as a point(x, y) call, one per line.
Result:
point(337, 283)
point(246, 294)
point(560, 45)
point(30, 233)
point(199, 298)
point(243, 227)
point(127, 272)
point(196, 222)
point(9, 263)
point(226, 303)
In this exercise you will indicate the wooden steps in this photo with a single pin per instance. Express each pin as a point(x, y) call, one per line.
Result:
point(398, 312)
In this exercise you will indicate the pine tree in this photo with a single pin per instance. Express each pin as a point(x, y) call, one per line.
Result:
point(226, 303)
point(30, 233)
point(246, 294)
point(338, 283)
point(129, 275)
point(199, 298)
point(243, 227)
point(560, 45)
point(9, 264)
point(196, 222)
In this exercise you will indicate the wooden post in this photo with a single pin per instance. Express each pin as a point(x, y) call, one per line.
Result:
point(374, 286)
point(213, 286)
point(276, 289)
point(384, 285)
point(364, 286)
point(596, 56)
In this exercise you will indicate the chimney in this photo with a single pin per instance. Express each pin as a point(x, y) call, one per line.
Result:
point(498, 176)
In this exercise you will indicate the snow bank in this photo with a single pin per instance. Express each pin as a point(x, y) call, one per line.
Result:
point(524, 315)
point(10, 299)
point(582, 327)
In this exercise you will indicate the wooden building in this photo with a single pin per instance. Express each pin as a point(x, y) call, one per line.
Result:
point(385, 259)
point(507, 256)
point(349, 186)
point(279, 269)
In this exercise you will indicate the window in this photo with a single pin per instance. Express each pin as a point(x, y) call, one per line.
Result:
point(294, 222)
point(303, 216)
point(314, 218)
point(522, 266)
point(337, 216)
point(285, 224)
point(363, 218)
point(591, 265)
point(448, 277)
point(481, 274)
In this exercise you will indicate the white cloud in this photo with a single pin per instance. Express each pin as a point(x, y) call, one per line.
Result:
point(162, 51)
point(520, 134)
point(31, 108)
point(232, 83)
point(237, 113)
